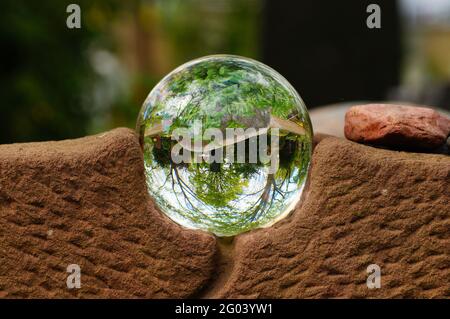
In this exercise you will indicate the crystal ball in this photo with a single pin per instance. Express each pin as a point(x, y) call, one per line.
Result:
point(227, 145)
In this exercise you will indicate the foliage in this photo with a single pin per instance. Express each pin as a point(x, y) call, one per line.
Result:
point(214, 195)
point(230, 26)
point(46, 75)
point(223, 92)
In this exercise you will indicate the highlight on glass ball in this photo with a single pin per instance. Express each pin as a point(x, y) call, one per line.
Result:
point(227, 145)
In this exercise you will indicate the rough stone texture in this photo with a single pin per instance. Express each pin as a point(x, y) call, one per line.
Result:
point(397, 125)
point(330, 119)
point(364, 206)
point(85, 202)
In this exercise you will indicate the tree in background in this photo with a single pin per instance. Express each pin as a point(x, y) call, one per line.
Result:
point(46, 75)
point(58, 83)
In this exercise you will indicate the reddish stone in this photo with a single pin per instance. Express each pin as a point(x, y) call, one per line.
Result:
point(396, 125)
point(85, 202)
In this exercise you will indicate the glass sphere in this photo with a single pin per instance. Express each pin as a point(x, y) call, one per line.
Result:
point(227, 145)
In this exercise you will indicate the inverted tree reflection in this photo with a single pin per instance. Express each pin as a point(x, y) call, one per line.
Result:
point(228, 197)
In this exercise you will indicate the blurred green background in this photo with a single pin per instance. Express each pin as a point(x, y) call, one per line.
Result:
point(58, 83)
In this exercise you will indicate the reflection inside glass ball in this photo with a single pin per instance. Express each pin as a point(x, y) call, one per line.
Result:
point(227, 145)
